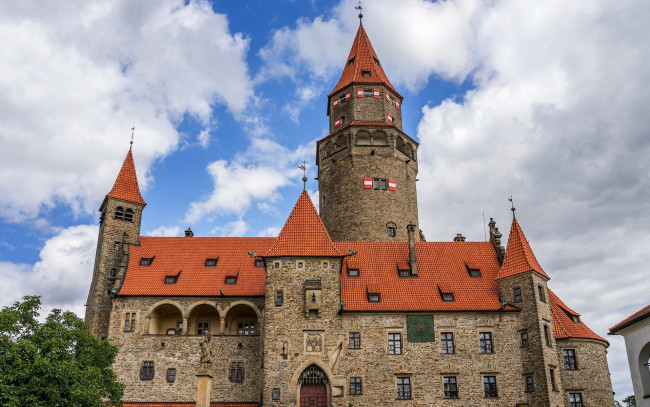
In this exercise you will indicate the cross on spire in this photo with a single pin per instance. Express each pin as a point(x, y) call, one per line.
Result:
point(303, 167)
point(359, 7)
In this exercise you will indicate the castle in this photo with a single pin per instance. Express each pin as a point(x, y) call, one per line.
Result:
point(349, 307)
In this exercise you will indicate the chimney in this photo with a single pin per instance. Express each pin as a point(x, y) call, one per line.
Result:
point(189, 233)
point(412, 260)
point(459, 237)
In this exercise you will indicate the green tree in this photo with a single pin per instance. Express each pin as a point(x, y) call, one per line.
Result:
point(630, 401)
point(53, 363)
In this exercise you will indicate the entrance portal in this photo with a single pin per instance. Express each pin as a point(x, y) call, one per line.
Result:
point(313, 387)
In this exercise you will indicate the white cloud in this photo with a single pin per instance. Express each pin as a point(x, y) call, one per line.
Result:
point(165, 231)
point(77, 75)
point(61, 276)
point(235, 228)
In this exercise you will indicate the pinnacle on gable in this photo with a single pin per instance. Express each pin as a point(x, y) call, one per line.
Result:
point(519, 257)
point(126, 184)
point(362, 65)
point(303, 234)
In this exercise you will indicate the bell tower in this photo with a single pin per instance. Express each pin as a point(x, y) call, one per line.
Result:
point(367, 166)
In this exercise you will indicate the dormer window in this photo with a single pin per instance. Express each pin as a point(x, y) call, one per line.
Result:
point(211, 262)
point(231, 280)
point(128, 215)
point(365, 74)
point(171, 279)
point(473, 271)
point(351, 61)
point(374, 294)
point(353, 272)
point(404, 269)
point(259, 263)
point(448, 297)
point(146, 261)
point(373, 298)
point(576, 319)
point(376, 61)
point(446, 293)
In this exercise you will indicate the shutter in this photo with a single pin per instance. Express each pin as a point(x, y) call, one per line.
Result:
point(347, 95)
point(375, 93)
point(391, 185)
point(336, 103)
point(387, 97)
point(337, 122)
point(390, 119)
point(419, 328)
point(359, 92)
point(397, 104)
point(367, 183)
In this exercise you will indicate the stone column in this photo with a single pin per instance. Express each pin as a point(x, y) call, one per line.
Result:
point(204, 383)
point(222, 325)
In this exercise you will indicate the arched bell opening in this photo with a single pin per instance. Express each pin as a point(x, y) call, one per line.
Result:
point(314, 389)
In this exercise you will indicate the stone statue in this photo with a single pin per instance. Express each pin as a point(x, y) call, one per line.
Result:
point(206, 354)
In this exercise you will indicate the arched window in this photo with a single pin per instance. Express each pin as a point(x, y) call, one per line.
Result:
point(378, 139)
point(128, 215)
point(363, 138)
point(119, 213)
point(329, 148)
point(340, 142)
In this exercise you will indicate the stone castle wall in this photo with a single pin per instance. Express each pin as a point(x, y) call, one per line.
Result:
point(367, 109)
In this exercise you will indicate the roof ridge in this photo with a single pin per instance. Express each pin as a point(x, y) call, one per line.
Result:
point(519, 256)
point(126, 184)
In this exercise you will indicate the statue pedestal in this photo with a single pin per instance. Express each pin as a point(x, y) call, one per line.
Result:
point(203, 388)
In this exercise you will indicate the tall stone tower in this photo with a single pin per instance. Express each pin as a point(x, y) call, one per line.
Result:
point(121, 215)
point(367, 166)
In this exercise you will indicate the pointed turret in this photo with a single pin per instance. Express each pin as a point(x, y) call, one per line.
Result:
point(126, 184)
point(303, 234)
point(363, 65)
point(519, 256)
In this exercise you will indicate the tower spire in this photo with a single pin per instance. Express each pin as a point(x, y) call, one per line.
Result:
point(359, 7)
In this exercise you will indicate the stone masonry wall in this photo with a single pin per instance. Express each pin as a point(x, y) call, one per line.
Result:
point(368, 109)
point(182, 352)
point(111, 231)
point(591, 378)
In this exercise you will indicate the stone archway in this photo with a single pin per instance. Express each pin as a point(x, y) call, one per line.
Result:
point(314, 387)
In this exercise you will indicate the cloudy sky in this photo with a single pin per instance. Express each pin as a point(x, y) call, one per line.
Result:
point(545, 101)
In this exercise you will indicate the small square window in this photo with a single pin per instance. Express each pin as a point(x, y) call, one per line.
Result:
point(171, 375)
point(524, 339)
point(474, 272)
point(353, 272)
point(116, 246)
point(231, 280)
point(276, 393)
point(203, 328)
point(113, 272)
point(373, 298)
point(326, 265)
point(391, 231)
point(276, 265)
point(517, 294)
point(300, 265)
point(355, 340)
point(259, 263)
point(210, 262)
point(576, 319)
point(530, 385)
point(368, 93)
point(365, 74)
point(146, 261)
point(171, 279)
point(279, 298)
point(451, 387)
point(355, 385)
point(448, 297)
point(404, 273)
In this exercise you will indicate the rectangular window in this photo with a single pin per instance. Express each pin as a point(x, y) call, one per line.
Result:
point(355, 340)
point(352, 272)
point(524, 339)
point(146, 370)
point(365, 74)
point(116, 246)
point(373, 298)
point(540, 291)
point(203, 328)
point(395, 343)
point(530, 385)
point(448, 297)
point(355, 385)
point(575, 400)
point(300, 265)
point(210, 262)
point(259, 263)
point(246, 328)
point(279, 298)
point(276, 393)
point(485, 342)
point(447, 342)
point(403, 388)
point(171, 279)
point(231, 280)
point(576, 319)
point(171, 375)
point(276, 265)
point(451, 387)
point(490, 386)
point(113, 272)
point(570, 359)
point(146, 261)
point(129, 321)
point(367, 93)
point(404, 273)
point(517, 294)
point(237, 372)
point(179, 327)
point(475, 273)
point(547, 336)
point(384, 184)
point(552, 374)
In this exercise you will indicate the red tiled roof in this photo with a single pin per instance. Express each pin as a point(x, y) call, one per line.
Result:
point(303, 234)
point(126, 185)
point(186, 404)
point(563, 324)
point(364, 60)
point(643, 313)
point(519, 256)
point(188, 254)
point(439, 263)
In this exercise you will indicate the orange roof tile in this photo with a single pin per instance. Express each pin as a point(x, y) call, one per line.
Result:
point(563, 324)
point(643, 313)
point(126, 184)
point(303, 234)
point(519, 256)
point(438, 263)
point(364, 60)
point(189, 254)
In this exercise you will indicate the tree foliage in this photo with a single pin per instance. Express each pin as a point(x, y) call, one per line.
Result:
point(53, 363)
point(630, 401)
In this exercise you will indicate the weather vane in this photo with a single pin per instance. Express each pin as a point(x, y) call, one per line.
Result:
point(303, 167)
point(513, 207)
point(132, 133)
point(360, 15)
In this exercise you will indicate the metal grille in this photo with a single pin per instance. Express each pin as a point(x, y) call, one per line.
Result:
point(313, 375)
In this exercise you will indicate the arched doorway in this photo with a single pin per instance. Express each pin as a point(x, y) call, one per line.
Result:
point(313, 387)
